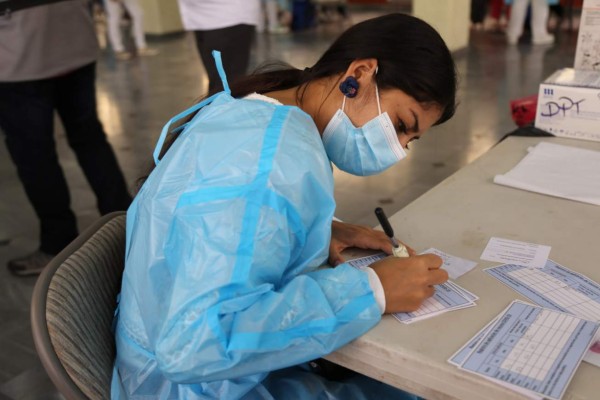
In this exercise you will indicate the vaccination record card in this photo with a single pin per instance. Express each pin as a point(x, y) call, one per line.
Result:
point(447, 297)
point(553, 286)
point(558, 288)
point(533, 348)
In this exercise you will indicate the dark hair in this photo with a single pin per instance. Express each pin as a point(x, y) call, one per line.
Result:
point(410, 54)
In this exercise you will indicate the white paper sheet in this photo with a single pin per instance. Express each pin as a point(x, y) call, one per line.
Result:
point(557, 170)
point(515, 252)
point(455, 266)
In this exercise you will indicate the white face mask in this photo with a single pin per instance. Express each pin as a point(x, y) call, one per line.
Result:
point(368, 150)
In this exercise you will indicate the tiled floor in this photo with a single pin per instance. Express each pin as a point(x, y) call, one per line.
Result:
point(137, 97)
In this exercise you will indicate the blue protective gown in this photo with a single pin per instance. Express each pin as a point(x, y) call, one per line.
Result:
point(221, 283)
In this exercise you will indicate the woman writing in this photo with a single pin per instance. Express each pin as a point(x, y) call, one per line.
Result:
point(222, 296)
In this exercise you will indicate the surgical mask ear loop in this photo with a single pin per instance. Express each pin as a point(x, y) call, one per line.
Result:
point(377, 91)
point(377, 94)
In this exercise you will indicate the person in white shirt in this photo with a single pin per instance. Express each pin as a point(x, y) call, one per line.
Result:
point(224, 25)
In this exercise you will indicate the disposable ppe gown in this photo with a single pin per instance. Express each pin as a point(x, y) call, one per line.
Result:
point(221, 284)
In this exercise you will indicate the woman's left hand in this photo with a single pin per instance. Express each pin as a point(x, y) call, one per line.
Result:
point(345, 235)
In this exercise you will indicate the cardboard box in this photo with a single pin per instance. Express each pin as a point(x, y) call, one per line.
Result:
point(569, 104)
point(587, 55)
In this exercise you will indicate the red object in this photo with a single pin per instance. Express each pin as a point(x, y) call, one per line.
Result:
point(523, 110)
point(496, 8)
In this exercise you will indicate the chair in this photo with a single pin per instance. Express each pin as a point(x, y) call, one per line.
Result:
point(73, 306)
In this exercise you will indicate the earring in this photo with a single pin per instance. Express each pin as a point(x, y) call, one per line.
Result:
point(349, 87)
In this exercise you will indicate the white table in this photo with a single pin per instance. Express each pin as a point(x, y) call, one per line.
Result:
point(459, 216)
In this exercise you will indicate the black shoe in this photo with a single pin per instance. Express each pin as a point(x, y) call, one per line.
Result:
point(31, 264)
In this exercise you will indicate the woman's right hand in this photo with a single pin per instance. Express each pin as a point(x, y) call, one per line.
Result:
point(407, 282)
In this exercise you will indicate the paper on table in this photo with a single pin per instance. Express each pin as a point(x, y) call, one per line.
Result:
point(461, 354)
point(535, 348)
point(556, 287)
point(515, 252)
point(363, 262)
point(455, 266)
point(448, 296)
point(553, 286)
point(557, 170)
point(463, 291)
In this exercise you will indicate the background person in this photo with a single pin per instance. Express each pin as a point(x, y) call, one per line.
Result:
point(498, 16)
point(539, 21)
point(222, 293)
point(49, 65)
point(275, 16)
point(224, 25)
point(478, 12)
point(114, 12)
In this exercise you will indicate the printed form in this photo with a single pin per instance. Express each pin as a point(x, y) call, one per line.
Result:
point(455, 266)
point(459, 357)
point(553, 286)
point(557, 288)
point(529, 347)
point(515, 252)
point(362, 262)
point(447, 297)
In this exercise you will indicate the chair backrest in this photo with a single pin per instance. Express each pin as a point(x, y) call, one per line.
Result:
point(73, 307)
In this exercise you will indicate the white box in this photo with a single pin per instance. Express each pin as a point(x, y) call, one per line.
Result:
point(569, 104)
point(587, 55)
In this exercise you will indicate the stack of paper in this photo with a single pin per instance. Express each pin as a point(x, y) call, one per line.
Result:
point(557, 170)
point(363, 262)
point(447, 297)
point(530, 349)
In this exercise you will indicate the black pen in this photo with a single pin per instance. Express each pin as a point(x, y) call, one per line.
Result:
point(398, 249)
